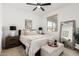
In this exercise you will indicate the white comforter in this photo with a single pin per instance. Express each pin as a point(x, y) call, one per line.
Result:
point(33, 43)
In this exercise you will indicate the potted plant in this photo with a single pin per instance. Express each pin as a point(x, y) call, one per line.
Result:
point(77, 37)
point(77, 40)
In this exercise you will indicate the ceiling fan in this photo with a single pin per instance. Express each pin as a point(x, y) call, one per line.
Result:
point(39, 5)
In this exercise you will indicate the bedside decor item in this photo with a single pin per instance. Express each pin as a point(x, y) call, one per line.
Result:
point(40, 30)
point(13, 30)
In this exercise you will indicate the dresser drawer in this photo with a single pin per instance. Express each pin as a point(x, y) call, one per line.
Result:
point(11, 42)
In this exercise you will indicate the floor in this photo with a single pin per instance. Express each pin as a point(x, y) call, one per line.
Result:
point(70, 52)
point(19, 51)
point(16, 51)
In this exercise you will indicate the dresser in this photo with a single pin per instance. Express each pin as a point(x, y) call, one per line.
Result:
point(11, 41)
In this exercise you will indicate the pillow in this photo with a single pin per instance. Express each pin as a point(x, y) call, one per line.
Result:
point(33, 32)
point(50, 42)
point(28, 32)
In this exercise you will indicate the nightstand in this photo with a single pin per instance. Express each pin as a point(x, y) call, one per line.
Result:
point(11, 41)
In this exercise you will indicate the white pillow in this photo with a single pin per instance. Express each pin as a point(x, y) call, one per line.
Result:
point(34, 32)
point(51, 40)
point(28, 32)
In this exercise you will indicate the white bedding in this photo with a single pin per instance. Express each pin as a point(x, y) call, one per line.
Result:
point(33, 42)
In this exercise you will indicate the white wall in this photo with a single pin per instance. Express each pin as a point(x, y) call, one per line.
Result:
point(16, 16)
point(69, 12)
point(0, 27)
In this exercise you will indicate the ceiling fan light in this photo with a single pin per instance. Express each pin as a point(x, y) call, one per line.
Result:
point(38, 6)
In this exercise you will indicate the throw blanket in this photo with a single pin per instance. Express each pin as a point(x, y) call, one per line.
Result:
point(33, 43)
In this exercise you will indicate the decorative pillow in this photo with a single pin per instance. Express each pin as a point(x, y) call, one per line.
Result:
point(51, 41)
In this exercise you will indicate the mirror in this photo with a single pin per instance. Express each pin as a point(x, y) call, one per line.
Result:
point(67, 30)
point(52, 23)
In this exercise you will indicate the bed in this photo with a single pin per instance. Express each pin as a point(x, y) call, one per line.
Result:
point(33, 42)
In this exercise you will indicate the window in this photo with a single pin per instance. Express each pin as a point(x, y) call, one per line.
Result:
point(52, 23)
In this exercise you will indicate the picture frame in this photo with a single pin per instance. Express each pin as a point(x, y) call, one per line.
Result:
point(28, 24)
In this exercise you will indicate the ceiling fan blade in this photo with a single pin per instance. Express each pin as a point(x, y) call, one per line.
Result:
point(34, 8)
point(42, 9)
point(31, 4)
point(45, 4)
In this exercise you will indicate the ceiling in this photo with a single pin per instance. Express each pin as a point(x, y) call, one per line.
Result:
point(30, 8)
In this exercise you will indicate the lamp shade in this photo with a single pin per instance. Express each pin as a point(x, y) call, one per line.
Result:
point(12, 27)
point(40, 28)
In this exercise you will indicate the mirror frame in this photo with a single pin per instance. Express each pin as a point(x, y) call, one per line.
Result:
point(74, 30)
